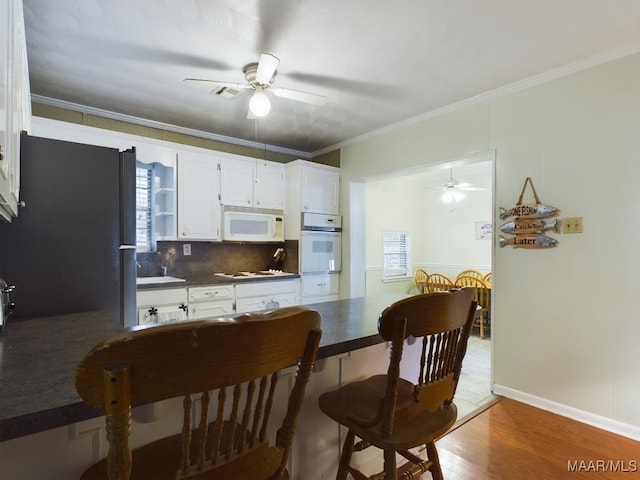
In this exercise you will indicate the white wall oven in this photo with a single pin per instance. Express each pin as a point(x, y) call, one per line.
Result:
point(320, 244)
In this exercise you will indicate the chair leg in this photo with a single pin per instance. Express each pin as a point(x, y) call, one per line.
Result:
point(390, 468)
point(345, 458)
point(432, 453)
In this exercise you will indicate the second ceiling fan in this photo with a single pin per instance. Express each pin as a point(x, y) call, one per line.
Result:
point(260, 77)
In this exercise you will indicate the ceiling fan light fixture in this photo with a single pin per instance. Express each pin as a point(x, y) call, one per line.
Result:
point(452, 195)
point(259, 103)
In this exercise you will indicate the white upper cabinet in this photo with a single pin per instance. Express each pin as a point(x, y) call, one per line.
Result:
point(247, 182)
point(268, 188)
point(15, 103)
point(198, 197)
point(312, 188)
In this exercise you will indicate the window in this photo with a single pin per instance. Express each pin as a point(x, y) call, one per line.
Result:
point(144, 175)
point(396, 262)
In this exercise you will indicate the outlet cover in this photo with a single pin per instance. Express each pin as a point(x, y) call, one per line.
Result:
point(186, 249)
point(572, 225)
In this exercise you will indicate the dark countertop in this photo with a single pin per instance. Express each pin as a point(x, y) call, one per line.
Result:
point(38, 358)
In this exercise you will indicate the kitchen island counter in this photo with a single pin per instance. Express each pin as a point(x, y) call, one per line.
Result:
point(38, 358)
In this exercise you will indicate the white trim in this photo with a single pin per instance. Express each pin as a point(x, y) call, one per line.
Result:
point(164, 126)
point(605, 423)
point(491, 94)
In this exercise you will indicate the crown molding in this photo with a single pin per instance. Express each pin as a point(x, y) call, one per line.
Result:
point(554, 74)
point(164, 126)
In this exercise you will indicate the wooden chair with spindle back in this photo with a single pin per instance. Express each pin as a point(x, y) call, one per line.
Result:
point(438, 282)
point(420, 277)
point(487, 278)
point(469, 273)
point(239, 359)
point(482, 296)
point(393, 414)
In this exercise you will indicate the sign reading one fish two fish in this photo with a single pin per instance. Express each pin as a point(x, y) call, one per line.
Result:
point(526, 226)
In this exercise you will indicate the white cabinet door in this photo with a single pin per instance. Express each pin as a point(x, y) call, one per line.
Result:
point(250, 182)
point(268, 189)
point(237, 178)
point(5, 103)
point(210, 309)
point(319, 190)
point(198, 197)
point(15, 103)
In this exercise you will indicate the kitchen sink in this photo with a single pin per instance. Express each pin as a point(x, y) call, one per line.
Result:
point(155, 280)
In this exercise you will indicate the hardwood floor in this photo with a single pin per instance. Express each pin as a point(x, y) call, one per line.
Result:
point(513, 441)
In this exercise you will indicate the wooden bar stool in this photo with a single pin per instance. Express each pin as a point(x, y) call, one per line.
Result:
point(238, 359)
point(393, 414)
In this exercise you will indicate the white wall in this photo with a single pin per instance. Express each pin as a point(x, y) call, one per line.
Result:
point(442, 235)
point(566, 328)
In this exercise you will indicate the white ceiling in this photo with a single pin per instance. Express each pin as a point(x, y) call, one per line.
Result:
point(378, 62)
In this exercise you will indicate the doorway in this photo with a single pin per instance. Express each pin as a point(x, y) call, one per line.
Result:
point(446, 212)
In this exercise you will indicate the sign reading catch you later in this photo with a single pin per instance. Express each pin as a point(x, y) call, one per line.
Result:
point(530, 223)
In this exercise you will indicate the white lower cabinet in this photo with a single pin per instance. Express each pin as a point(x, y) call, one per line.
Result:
point(161, 305)
point(211, 301)
point(251, 297)
point(319, 288)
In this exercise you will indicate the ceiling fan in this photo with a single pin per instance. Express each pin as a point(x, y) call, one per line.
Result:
point(260, 77)
point(453, 191)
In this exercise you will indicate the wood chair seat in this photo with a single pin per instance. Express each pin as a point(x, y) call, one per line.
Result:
point(357, 402)
point(157, 460)
point(393, 414)
point(231, 368)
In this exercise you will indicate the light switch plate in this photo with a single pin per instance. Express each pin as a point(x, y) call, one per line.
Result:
point(572, 225)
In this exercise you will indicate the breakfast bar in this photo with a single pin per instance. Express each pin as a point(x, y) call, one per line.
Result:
point(38, 358)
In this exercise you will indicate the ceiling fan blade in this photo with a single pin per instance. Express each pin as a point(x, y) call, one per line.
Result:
point(305, 97)
point(266, 68)
point(239, 86)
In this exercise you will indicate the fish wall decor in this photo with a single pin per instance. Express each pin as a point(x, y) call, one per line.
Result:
point(530, 226)
point(528, 241)
point(527, 228)
point(528, 210)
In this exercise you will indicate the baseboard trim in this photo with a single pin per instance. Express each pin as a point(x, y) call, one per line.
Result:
point(598, 421)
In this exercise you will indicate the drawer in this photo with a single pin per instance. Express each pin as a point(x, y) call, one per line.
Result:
point(210, 309)
point(218, 292)
point(266, 302)
point(164, 296)
point(148, 316)
point(319, 285)
point(259, 289)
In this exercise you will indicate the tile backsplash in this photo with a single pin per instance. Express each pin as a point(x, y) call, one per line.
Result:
point(207, 258)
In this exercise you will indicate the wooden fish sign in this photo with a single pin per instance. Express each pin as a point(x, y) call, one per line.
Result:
point(526, 227)
point(528, 241)
point(518, 226)
point(528, 210)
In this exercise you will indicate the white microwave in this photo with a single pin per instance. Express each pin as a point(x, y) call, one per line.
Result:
point(252, 226)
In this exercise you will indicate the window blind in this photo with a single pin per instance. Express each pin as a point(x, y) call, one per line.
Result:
point(143, 207)
point(396, 262)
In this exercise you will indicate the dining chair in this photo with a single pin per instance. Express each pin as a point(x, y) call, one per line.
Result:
point(393, 414)
point(487, 279)
point(420, 277)
point(470, 273)
point(437, 282)
point(229, 367)
point(482, 296)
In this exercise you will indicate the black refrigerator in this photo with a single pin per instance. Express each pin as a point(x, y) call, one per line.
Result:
point(72, 247)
